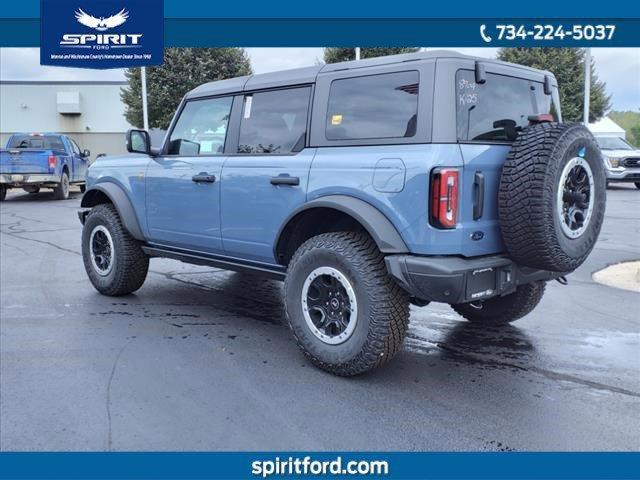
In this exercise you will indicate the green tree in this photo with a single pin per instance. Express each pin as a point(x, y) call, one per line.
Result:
point(567, 64)
point(183, 70)
point(630, 121)
point(334, 54)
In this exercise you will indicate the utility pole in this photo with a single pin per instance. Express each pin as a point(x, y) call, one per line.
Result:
point(145, 113)
point(587, 84)
point(357, 53)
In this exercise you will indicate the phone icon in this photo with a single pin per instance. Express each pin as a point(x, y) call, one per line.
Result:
point(484, 35)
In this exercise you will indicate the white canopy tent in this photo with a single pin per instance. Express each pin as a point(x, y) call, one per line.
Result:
point(606, 127)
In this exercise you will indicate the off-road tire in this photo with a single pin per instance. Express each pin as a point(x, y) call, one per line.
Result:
point(3, 192)
point(131, 264)
point(32, 189)
point(503, 310)
point(527, 199)
point(61, 190)
point(383, 307)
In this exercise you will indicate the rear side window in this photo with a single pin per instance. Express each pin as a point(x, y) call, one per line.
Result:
point(201, 128)
point(43, 142)
point(274, 122)
point(374, 106)
point(498, 109)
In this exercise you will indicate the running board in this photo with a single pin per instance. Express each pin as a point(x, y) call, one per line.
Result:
point(276, 272)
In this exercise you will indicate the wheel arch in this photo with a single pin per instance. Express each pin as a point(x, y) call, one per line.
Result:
point(111, 193)
point(351, 213)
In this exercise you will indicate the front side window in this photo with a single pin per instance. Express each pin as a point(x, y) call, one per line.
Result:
point(373, 106)
point(274, 122)
point(201, 128)
point(74, 146)
point(498, 109)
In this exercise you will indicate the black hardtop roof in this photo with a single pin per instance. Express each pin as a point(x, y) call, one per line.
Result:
point(305, 75)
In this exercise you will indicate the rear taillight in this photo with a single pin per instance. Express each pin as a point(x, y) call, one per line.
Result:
point(444, 197)
point(52, 162)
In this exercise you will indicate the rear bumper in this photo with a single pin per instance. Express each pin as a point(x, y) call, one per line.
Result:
point(453, 279)
point(20, 179)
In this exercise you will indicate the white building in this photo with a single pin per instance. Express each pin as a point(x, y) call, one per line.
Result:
point(89, 112)
point(605, 127)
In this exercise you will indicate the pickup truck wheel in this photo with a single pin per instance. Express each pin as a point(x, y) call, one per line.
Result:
point(3, 192)
point(503, 310)
point(83, 187)
point(31, 189)
point(61, 191)
point(637, 184)
point(346, 313)
point(552, 195)
point(113, 259)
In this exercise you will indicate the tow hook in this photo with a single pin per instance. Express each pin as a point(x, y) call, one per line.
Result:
point(562, 280)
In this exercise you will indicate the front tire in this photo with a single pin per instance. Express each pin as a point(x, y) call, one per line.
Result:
point(113, 259)
point(61, 191)
point(503, 310)
point(346, 313)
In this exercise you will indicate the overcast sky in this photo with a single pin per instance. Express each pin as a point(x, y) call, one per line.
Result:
point(618, 67)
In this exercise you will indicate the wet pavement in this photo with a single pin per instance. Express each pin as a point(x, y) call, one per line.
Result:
point(200, 359)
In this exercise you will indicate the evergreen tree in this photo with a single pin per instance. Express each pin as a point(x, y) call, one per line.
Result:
point(333, 54)
point(183, 70)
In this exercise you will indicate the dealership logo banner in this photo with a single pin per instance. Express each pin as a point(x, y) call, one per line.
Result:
point(101, 34)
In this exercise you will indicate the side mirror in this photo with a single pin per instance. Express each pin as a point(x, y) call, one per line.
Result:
point(86, 153)
point(138, 141)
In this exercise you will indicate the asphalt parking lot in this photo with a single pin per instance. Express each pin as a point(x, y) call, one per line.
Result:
point(200, 359)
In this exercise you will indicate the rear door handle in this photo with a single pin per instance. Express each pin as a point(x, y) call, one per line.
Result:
point(285, 180)
point(203, 177)
point(478, 201)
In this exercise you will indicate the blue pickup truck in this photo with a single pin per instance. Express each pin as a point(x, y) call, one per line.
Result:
point(32, 161)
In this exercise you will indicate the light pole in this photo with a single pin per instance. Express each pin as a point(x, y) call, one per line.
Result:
point(587, 84)
point(357, 53)
point(145, 113)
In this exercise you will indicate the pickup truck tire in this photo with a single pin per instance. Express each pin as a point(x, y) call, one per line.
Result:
point(83, 187)
point(3, 192)
point(552, 195)
point(365, 317)
point(113, 259)
point(32, 189)
point(61, 191)
point(503, 310)
point(637, 184)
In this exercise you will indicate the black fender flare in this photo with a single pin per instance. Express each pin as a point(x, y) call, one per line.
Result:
point(383, 232)
point(120, 200)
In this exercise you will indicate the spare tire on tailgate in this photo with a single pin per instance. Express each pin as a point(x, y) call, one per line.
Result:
point(552, 195)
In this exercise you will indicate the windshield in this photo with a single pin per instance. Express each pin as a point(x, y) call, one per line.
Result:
point(44, 142)
point(613, 143)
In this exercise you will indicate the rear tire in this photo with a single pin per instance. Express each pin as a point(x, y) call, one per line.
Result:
point(503, 310)
point(31, 189)
point(3, 192)
point(637, 184)
point(61, 191)
point(113, 259)
point(83, 187)
point(366, 317)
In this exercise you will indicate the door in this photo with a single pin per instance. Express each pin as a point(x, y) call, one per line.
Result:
point(183, 184)
point(267, 178)
point(79, 163)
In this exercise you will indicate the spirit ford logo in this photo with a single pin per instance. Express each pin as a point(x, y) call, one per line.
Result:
point(101, 24)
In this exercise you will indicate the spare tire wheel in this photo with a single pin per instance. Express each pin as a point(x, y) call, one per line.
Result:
point(552, 195)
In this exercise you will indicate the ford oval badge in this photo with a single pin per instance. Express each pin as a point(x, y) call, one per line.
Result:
point(478, 235)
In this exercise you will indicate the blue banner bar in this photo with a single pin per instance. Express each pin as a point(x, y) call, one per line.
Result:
point(371, 32)
point(236, 465)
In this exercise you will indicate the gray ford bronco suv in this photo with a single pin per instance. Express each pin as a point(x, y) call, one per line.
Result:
point(365, 186)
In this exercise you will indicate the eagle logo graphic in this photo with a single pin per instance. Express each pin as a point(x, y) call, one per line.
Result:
point(101, 24)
